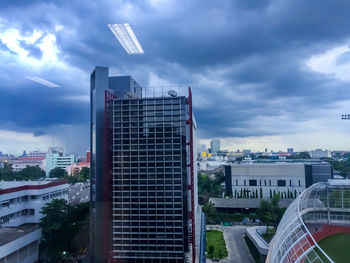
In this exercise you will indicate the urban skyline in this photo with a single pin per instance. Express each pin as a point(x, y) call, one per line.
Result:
point(297, 101)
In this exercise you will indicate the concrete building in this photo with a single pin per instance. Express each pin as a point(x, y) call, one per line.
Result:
point(37, 154)
point(144, 204)
point(21, 163)
point(246, 151)
point(54, 160)
point(319, 153)
point(20, 213)
point(262, 180)
point(214, 146)
point(75, 168)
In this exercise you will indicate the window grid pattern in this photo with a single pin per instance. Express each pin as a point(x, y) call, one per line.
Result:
point(149, 180)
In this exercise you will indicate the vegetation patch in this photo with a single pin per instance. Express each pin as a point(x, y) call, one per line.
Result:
point(216, 246)
point(337, 247)
point(267, 236)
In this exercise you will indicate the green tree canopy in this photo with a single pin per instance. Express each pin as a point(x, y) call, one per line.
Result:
point(32, 172)
point(85, 173)
point(303, 155)
point(270, 212)
point(28, 173)
point(65, 228)
point(57, 173)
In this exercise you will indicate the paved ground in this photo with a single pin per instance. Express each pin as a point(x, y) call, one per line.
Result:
point(238, 251)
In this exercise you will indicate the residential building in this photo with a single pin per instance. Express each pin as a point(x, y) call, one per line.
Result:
point(37, 154)
point(214, 146)
point(20, 213)
point(75, 168)
point(318, 153)
point(23, 162)
point(262, 180)
point(57, 159)
point(144, 204)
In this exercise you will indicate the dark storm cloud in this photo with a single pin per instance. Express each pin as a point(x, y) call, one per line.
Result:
point(245, 60)
point(36, 107)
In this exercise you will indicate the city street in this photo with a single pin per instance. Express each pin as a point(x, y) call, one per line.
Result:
point(238, 251)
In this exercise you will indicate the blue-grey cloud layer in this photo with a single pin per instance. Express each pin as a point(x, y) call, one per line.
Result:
point(256, 50)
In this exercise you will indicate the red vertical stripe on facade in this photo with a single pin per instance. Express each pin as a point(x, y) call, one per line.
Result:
point(190, 121)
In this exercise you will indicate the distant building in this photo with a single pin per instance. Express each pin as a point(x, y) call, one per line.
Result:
point(37, 154)
point(246, 151)
point(23, 162)
point(318, 153)
point(59, 150)
point(290, 151)
point(54, 160)
point(262, 180)
point(75, 168)
point(20, 213)
point(222, 153)
point(214, 146)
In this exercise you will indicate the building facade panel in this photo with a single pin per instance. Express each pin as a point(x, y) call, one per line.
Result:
point(143, 189)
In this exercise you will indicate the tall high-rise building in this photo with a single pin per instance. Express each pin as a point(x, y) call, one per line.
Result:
point(143, 186)
point(214, 146)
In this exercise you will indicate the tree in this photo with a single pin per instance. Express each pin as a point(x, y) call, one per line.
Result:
point(32, 173)
point(85, 173)
point(270, 212)
point(303, 155)
point(57, 173)
point(28, 173)
point(209, 188)
point(56, 228)
point(65, 228)
point(209, 209)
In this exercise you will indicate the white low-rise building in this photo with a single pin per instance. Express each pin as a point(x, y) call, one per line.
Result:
point(22, 163)
point(20, 212)
point(263, 180)
point(319, 153)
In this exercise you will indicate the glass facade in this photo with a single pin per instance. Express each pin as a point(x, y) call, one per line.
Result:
point(149, 173)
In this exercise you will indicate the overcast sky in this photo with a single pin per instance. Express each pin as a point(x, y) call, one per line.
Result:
point(264, 74)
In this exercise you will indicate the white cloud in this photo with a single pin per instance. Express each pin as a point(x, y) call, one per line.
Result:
point(15, 142)
point(327, 63)
point(46, 42)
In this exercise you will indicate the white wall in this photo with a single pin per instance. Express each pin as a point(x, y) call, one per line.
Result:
point(293, 174)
